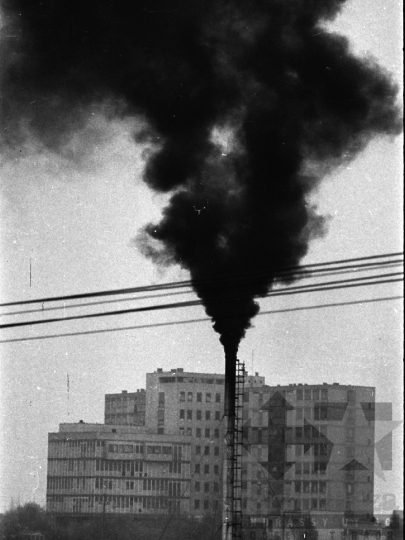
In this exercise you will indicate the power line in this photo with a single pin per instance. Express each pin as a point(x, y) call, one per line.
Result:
point(326, 286)
point(203, 319)
point(305, 275)
point(188, 283)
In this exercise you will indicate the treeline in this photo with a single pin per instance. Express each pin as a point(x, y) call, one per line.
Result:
point(32, 518)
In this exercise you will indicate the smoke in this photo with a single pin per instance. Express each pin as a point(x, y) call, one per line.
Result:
point(247, 103)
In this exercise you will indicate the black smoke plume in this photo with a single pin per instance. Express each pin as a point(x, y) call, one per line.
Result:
point(247, 104)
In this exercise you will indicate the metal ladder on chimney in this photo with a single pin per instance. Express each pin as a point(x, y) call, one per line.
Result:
point(237, 456)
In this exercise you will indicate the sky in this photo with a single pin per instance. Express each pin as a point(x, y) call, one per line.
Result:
point(68, 224)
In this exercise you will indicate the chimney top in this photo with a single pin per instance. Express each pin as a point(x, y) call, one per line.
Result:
point(159, 370)
point(125, 391)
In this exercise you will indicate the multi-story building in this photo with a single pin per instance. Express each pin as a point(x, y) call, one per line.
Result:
point(97, 469)
point(306, 449)
point(127, 408)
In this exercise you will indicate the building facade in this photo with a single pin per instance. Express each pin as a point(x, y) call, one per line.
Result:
point(308, 449)
point(98, 469)
point(305, 449)
point(127, 408)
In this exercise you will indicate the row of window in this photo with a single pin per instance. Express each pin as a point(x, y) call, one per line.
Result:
point(318, 467)
point(206, 487)
point(309, 413)
point(191, 380)
point(173, 489)
point(114, 502)
point(310, 487)
point(119, 466)
point(198, 433)
point(309, 504)
point(314, 394)
point(199, 397)
point(126, 448)
point(188, 414)
point(206, 469)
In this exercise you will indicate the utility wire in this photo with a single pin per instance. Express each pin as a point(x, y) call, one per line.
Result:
point(188, 283)
point(193, 321)
point(329, 285)
point(320, 272)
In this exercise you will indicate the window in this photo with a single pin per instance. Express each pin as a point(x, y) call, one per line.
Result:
point(298, 450)
point(199, 397)
point(314, 504)
point(322, 504)
point(314, 487)
point(196, 504)
point(299, 413)
point(297, 487)
point(217, 398)
point(308, 413)
point(197, 469)
point(207, 433)
point(206, 504)
point(181, 431)
point(306, 487)
point(190, 396)
point(206, 451)
point(322, 487)
point(324, 394)
point(216, 451)
point(206, 469)
point(198, 450)
point(208, 397)
point(217, 415)
point(208, 415)
point(298, 431)
point(206, 487)
point(216, 433)
point(199, 415)
point(306, 468)
point(189, 432)
point(299, 395)
point(182, 414)
point(197, 486)
point(182, 396)
point(216, 487)
point(298, 469)
point(198, 433)
point(307, 394)
point(216, 469)
point(189, 415)
point(315, 393)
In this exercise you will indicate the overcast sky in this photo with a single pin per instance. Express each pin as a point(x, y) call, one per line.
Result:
point(67, 225)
